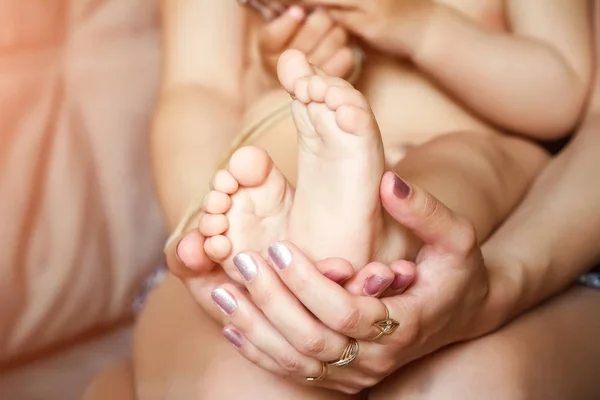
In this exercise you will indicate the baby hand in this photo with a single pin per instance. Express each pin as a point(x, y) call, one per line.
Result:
point(384, 24)
point(324, 42)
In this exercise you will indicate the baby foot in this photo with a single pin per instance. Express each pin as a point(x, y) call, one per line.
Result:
point(247, 209)
point(336, 211)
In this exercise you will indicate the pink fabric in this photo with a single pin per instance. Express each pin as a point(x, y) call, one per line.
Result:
point(79, 225)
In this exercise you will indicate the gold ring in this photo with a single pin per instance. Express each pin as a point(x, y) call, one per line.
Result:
point(349, 354)
point(386, 326)
point(321, 375)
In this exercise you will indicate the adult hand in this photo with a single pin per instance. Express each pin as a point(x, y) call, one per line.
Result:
point(187, 261)
point(394, 26)
point(447, 303)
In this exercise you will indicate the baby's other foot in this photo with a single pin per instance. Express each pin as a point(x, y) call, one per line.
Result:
point(248, 208)
point(336, 211)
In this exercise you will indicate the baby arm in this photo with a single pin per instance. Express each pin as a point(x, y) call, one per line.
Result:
point(199, 106)
point(532, 80)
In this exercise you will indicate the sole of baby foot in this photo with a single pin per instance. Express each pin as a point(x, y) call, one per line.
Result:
point(248, 208)
point(336, 211)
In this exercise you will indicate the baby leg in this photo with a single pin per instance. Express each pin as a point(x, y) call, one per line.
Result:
point(481, 177)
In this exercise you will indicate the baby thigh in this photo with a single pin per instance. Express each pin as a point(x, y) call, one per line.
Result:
point(180, 353)
point(480, 176)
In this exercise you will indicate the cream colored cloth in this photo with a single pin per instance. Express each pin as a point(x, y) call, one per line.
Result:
point(79, 227)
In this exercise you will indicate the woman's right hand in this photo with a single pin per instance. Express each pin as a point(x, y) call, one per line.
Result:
point(324, 42)
point(277, 325)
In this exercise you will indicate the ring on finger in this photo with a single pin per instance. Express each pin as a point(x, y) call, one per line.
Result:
point(322, 375)
point(349, 354)
point(386, 326)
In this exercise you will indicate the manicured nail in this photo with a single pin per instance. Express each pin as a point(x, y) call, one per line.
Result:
point(375, 284)
point(401, 189)
point(234, 337)
point(280, 255)
point(224, 300)
point(335, 276)
point(246, 266)
point(401, 282)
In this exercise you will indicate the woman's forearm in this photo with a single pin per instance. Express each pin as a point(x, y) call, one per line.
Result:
point(553, 236)
point(193, 128)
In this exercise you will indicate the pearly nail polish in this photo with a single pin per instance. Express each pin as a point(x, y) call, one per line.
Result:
point(336, 276)
point(401, 282)
point(224, 300)
point(246, 266)
point(375, 284)
point(234, 337)
point(280, 255)
point(401, 189)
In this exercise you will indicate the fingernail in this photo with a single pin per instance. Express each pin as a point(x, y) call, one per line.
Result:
point(234, 337)
point(335, 276)
point(224, 300)
point(401, 282)
point(280, 255)
point(246, 266)
point(375, 284)
point(401, 189)
point(296, 12)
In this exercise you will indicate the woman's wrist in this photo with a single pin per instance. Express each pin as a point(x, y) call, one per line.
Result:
point(507, 282)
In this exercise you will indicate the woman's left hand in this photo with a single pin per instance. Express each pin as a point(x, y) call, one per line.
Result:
point(275, 327)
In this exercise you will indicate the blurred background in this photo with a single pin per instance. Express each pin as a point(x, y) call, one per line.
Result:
point(77, 85)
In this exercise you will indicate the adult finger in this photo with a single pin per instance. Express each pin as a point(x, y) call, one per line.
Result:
point(342, 380)
point(275, 35)
point(285, 312)
point(336, 269)
point(380, 280)
point(251, 352)
point(256, 328)
point(201, 288)
point(343, 312)
point(429, 219)
point(371, 280)
point(405, 273)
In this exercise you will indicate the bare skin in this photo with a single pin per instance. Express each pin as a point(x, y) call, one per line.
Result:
point(340, 165)
point(340, 156)
point(198, 373)
point(394, 128)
